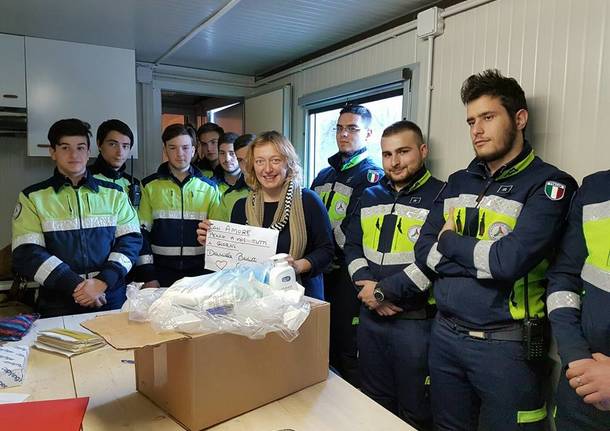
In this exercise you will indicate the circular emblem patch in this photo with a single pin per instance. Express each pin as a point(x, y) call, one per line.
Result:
point(498, 230)
point(413, 233)
point(17, 210)
point(340, 207)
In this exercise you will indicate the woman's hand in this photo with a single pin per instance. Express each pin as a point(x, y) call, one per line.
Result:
point(202, 231)
point(300, 265)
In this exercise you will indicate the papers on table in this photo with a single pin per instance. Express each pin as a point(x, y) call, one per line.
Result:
point(68, 342)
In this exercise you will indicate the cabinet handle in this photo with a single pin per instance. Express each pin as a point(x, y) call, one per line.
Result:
point(10, 96)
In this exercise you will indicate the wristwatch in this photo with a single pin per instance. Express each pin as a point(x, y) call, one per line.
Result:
point(378, 294)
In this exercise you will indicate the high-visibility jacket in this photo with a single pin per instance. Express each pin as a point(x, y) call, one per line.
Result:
point(103, 171)
point(382, 234)
point(63, 234)
point(169, 212)
point(229, 194)
point(578, 299)
point(340, 186)
point(507, 226)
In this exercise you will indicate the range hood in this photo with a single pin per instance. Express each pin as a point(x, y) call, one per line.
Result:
point(13, 121)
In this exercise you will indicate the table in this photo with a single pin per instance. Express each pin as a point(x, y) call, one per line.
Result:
point(107, 376)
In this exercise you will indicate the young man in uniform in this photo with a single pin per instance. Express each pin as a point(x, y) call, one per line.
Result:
point(395, 317)
point(489, 239)
point(340, 186)
point(207, 148)
point(74, 234)
point(174, 200)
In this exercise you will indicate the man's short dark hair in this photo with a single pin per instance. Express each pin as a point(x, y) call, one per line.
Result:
point(113, 125)
point(227, 138)
point(174, 130)
point(491, 83)
point(360, 110)
point(243, 141)
point(404, 126)
point(68, 127)
point(210, 127)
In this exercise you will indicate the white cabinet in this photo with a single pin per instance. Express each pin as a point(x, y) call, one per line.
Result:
point(74, 80)
point(12, 71)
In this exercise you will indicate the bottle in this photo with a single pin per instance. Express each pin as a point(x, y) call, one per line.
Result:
point(282, 275)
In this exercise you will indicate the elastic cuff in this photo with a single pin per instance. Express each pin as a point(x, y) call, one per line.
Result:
point(110, 277)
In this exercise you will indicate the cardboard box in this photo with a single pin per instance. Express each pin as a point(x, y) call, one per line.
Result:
point(205, 379)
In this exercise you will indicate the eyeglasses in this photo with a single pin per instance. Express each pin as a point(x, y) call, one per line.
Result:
point(338, 129)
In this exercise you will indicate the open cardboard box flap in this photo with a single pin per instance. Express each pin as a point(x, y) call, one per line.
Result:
point(123, 334)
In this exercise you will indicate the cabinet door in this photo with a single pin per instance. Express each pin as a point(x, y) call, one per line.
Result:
point(74, 80)
point(269, 111)
point(12, 70)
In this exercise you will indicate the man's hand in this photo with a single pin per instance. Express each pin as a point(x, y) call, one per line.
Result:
point(591, 379)
point(366, 294)
point(88, 292)
point(386, 308)
point(202, 231)
point(449, 224)
point(152, 284)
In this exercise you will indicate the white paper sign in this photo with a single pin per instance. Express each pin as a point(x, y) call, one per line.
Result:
point(227, 244)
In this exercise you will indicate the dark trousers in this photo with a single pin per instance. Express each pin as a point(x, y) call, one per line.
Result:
point(574, 414)
point(393, 356)
point(344, 310)
point(481, 384)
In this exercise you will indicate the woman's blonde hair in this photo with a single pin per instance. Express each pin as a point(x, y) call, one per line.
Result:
point(284, 147)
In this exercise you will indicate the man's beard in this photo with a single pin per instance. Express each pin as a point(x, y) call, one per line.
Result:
point(507, 145)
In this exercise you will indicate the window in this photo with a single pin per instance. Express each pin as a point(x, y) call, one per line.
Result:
point(385, 108)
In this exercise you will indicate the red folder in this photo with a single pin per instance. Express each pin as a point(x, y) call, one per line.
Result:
point(52, 415)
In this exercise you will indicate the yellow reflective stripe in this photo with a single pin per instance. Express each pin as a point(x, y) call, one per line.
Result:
point(481, 258)
point(596, 276)
point(46, 269)
point(121, 259)
point(531, 416)
point(562, 299)
point(595, 212)
point(356, 265)
point(30, 238)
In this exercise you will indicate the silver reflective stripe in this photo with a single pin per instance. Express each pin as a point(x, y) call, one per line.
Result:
point(343, 189)
point(378, 257)
point(121, 259)
point(144, 259)
point(356, 265)
point(339, 236)
point(323, 188)
point(46, 269)
point(417, 277)
point(145, 225)
point(29, 238)
point(167, 214)
point(89, 275)
point(195, 215)
point(176, 251)
point(60, 225)
point(595, 212)
point(596, 276)
point(434, 257)
point(463, 200)
point(481, 258)
point(411, 212)
point(126, 229)
point(98, 221)
point(502, 205)
point(375, 210)
point(562, 299)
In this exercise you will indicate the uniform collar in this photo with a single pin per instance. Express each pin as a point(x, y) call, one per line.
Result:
point(219, 177)
point(338, 163)
point(165, 172)
point(100, 166)
point(88, 180)
point(419, 179)
point(515, 166)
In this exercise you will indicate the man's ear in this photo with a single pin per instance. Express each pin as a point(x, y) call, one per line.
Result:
point(521, 119)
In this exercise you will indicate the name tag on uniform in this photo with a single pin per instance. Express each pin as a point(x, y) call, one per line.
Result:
point(505, 189)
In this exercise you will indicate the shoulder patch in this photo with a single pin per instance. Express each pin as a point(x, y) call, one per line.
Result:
point(372, 176)
point(554, 191)
point(17, 210)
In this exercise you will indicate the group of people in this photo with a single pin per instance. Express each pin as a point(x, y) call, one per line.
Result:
point(441, 292)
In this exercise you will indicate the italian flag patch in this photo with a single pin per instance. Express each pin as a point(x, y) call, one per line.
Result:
point(554, 191)
point(372, 176)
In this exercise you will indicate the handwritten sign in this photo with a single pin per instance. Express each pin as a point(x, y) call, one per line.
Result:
point(227, 244)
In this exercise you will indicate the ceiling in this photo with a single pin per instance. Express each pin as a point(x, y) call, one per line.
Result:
point(249, 37)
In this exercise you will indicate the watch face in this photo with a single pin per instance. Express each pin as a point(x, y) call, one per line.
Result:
point(378, 295)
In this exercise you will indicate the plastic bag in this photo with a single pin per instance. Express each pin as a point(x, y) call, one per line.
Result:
point(139, 301)
point(234, 300)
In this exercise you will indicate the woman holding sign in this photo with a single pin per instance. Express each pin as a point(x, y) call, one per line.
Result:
point(277, 201)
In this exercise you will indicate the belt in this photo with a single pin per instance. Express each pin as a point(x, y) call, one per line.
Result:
point(428, 312)
point(510, 333)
